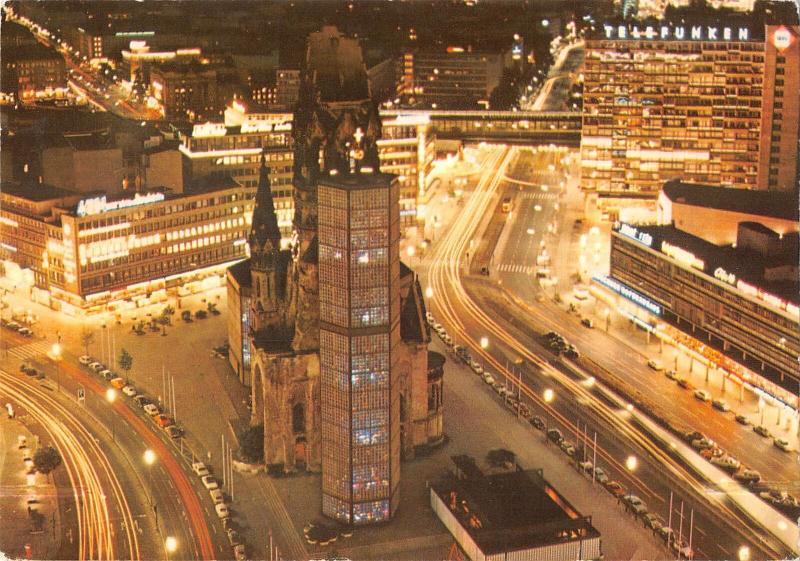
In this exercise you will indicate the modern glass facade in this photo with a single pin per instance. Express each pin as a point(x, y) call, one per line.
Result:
point(359, 271)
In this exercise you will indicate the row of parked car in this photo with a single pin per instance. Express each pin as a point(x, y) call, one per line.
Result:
point(161, 419)
point(222, 508)
point(14, 326)
point(558, 344)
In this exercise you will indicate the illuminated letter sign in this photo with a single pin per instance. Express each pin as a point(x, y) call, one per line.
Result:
point(629, 294)
point(782, 38)
point(633, 233)
point(695, 33)
point(725, 276)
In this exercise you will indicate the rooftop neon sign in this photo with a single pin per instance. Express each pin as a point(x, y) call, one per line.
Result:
point(99, 205)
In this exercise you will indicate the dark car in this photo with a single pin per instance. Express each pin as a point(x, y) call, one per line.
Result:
point(742, 419)
point(201, 314)
point(615, 488)
point(693, 435)
point(186, 316)
point(537, 422)
point(761, 431)
point(141, 400)
point(572, 352)
point(554, 435)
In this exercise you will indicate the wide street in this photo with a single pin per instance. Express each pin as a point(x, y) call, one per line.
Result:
point(455, 304)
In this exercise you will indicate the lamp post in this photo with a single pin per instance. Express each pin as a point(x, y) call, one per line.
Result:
point(111, 397)
point(761, 407)
point(429, 292)
point(607, 316)
point(484, 342)
point(170, 545)
point(56, 350)
point(743, 553)
point(631, 462)
point(149, 459)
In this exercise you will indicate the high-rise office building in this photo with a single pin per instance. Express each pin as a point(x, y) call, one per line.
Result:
point(359, 274)
point(700, 99)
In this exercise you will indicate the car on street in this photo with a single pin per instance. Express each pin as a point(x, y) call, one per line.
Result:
point(587, 322)
point(600, 475)
point(174, 431)
point(742, 419)
point(572, 352)
point(712, 452)
point(25, 332)
point(554, 435)
point(233, 537)
point(585, 466)
point(13, 326)
point(107, 374)
point(682, 549)
point(96, 366)
point(85, 360)
point(209, 482)
point(747, 476)
point(488, 378)
point(118, 383)
point(163, 420)
point(671, 374)
point(761, 431)
point(653, 521)
point(130, 391)
point(447, 340)
point(568, 448)
point(199, 469)
point(141, 400)
point(537, 422)
point(222, 510)
point(692, 435)
point(721, 405)
point(217, 496)
point(781, 443)
point(684, 383)
point(702, 395)
point(667, 534)
point(615, 488)
point(655, 365)
point(478, 370)
point(636, 504)
point(151, 409)
point(240, 553)
point(703, 443)
point(726, 462)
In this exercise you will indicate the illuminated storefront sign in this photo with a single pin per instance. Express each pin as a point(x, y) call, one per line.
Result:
point(677, 32)
point(724, 276)
point(682, 255)
point(635, 234)
point(770, 299)
point(629, 294)
point(208, 130)
point(99, 205)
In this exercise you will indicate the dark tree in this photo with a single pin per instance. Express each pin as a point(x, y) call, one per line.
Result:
point(46, 459)
point(251, 442)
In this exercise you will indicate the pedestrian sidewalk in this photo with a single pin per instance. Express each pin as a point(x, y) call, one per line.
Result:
point(30, 524)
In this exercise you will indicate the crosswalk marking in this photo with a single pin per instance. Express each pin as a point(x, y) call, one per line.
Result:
point(539, 196)
point(30, 350)
point(515, 268)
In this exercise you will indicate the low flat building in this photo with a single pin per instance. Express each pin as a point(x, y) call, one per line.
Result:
point(82, 253)
point(511, 515)
point(731, 285)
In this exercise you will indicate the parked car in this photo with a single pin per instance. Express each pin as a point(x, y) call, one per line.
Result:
point(684, 383)
point(747, 476)
point(636, 504)
point(239, 552)
point(107, 374)
point(671, 374)
point(712, 452)
point(726, 462)
point(761, 431)
point(703, 443)
point(174, 431)
point(217, 496)
point(478, 370)
point(742, 419)
point(554, 435)
point(118, 383)
point(25, 332)
point(721, 405)
point(233, 537)
point(163, 421)
point(537, 422)
point(222, 510)
point(141, 400)
point(692, 435)
point(96, 366)
point(587, 322)
point(653, 521)
point(585, 466)
point(130, 391)
point(702, 395)
point(655, 365)
point(572, 352)
point(615, 488)
point(209, 482)
point(488, 378)
point(781, 443)
point(600, 475)
point(85, 360)
point(151, 409)
point(667, 534)
point(568, 448)
point(199, 469)
point(201, 314)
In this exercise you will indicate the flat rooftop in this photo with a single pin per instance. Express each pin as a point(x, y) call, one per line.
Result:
point(773, 204)
point(36, 192)
point(356, 181)
point(511, 510)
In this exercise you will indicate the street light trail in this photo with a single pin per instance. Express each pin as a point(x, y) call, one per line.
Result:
point(82, 458)
point(445, 273)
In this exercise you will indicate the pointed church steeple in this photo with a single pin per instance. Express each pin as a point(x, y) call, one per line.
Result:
point(264, 228)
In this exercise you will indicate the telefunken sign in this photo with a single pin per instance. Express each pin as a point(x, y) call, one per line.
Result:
point(677, 32)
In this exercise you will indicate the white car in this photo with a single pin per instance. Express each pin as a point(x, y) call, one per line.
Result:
point(721, 405)
point(727, 462)
point(222, 510)
point(216, 496)
point(209, 482)
point(655, 365)
point(600, 475)
point(478, 370)
point(199, 469)
point(96, 366)
point(130, 391)
point(86, 360)
point(151, 409)
point(702, 395)
point(488, 378)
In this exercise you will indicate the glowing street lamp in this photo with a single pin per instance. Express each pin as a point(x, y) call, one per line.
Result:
point(631, 462)
point(429, 292)
point(484, 342)
point(170, 545)
point(549, 395)
point(744, 553)
point(111, 397)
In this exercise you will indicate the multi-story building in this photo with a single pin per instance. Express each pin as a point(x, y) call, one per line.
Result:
point(234, 149)
point(86, 253)
point(721, 269)
point(31, 70)
point(703, 100)
point(407, 149)
point(84, 162)
point(451, 78)
point(287, 88)
point(359, 273)
point(187, 91)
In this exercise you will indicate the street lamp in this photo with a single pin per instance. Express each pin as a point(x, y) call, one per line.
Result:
point(631, 462)
point(548, 395)
point(484, 342)
point(744, 553)
point(111, 397)
point(429, 292)
point(149, 460)
point(56, 350)
point(170, 545)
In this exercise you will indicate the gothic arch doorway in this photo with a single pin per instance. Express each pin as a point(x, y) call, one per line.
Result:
point(300, 453)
